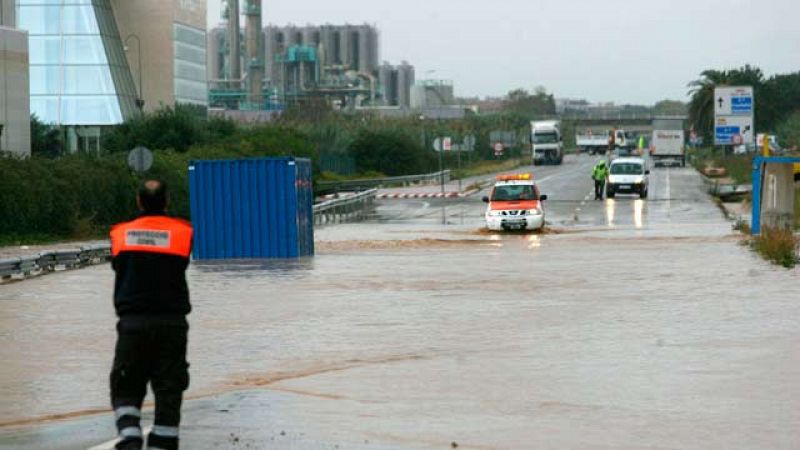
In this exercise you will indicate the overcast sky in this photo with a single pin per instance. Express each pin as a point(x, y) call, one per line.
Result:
point(626, 51)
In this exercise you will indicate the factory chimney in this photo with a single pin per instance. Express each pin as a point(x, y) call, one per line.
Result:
point(254, 51)
point(234, 52)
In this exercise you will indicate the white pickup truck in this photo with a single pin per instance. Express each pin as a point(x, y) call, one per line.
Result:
point(597, 142)
point(591, 142)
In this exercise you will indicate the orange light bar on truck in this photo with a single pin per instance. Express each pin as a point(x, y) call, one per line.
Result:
point(516, 177)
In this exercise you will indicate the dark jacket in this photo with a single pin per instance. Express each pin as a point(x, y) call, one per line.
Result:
point(150, 255)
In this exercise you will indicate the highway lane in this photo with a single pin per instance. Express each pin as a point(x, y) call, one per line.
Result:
point(677, 200)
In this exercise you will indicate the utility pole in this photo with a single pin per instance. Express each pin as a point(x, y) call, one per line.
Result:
point(459, 161)
point(140, 99)
point(441, 166)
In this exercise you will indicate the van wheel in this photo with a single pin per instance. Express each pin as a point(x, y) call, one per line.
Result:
point(643, 194)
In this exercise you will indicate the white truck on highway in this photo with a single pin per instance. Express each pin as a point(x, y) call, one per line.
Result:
point(546, 142)
point(667, 147)
point(593, 142)
point(596, 142)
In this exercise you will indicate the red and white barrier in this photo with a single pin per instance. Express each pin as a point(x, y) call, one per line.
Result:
point(415, 195)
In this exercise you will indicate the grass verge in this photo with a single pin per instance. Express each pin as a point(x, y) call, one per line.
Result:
point(28, 239)
point(737, 167)
point(16, 240)
point(331, 176)
point(486, 167)
point(776, 245)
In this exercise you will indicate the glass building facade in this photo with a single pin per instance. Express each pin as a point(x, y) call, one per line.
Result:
point(190, 65)
point(79, 73)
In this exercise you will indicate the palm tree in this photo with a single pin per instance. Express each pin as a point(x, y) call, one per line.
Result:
point(701, 104)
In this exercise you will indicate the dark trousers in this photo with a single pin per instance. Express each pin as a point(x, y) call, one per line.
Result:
point(598, 189)
point(149, 350)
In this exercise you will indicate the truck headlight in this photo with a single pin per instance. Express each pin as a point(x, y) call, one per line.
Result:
point(494, 213)
point(535, 212)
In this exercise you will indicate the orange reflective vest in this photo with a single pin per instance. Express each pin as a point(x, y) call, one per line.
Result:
point(153, 234)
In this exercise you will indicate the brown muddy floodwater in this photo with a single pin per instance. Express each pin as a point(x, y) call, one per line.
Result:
point(421, 336)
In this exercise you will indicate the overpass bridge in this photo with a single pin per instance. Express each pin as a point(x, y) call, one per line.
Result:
point(637, 122)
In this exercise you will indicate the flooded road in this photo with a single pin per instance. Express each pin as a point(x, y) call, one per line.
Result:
point(631, 324)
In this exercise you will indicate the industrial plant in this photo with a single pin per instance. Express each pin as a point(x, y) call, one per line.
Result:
point(253, 68)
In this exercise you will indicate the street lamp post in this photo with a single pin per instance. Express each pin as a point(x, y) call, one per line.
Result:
point(140, 98)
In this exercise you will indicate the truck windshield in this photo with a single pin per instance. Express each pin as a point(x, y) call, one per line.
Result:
point(514, 193)
point(545, 138)
point(626, 169)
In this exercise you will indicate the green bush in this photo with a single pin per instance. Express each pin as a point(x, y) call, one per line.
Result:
point(45, 139)
point(177, 128)
point(789, 131)
point(390, 151)
point(66, 198)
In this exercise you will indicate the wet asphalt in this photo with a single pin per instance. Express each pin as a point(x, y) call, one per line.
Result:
point(628, 324)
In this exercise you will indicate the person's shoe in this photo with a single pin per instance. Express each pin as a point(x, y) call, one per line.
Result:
point(130, 444)
point(156, 442)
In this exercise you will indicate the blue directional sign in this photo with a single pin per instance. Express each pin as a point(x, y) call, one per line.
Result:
point(742, 105)
point(723, 135)
point(734, 109)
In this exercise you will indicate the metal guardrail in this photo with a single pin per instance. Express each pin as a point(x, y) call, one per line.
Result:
point(27, 266)
point(346, 209)
point(359, 185)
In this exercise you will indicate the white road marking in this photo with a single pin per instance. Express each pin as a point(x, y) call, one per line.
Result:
point(669, 194)
point(558, 174)
point(110, 444)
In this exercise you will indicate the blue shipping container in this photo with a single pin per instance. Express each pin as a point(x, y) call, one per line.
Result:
point(252, 208)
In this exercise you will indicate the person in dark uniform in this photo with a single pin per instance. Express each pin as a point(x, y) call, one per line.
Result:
point(150, 255)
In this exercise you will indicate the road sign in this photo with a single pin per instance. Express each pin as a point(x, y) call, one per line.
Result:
point(727, 127)
point(498, 148)
point(140, 159)
point(733, 101)
point(437, 144)
point(734, 107)
point(447, 144)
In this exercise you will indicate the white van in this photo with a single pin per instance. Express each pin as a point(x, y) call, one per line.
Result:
point(628, 176)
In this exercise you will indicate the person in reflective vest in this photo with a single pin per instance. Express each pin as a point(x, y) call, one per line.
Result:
point(150, 255)
point(599, 175)
point(612, 140)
